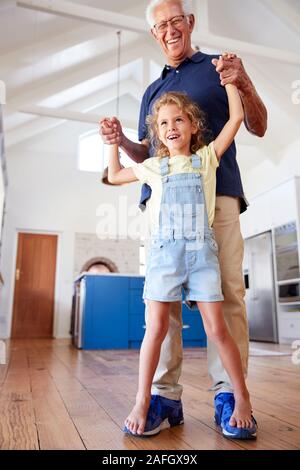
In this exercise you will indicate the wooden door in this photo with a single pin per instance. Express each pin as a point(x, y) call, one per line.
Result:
point(34, 286)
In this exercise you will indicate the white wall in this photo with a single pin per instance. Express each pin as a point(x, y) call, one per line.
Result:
point(268, 174)
point(48, 194)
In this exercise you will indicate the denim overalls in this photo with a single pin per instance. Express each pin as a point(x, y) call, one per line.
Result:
point(183, 251)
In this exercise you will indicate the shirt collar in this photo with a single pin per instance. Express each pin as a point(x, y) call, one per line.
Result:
point(196, 58)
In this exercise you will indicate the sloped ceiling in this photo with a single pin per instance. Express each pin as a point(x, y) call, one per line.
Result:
point(53, 65)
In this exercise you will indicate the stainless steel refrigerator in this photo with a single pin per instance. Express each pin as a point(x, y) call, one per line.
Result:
point(260, 288)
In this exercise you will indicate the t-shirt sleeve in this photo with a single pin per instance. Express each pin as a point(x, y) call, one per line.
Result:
point(209, 155)
point(140, 172)
point(148, 171)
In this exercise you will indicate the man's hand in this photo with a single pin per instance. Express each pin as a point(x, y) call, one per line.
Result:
point(231, 70)
point(111, 131)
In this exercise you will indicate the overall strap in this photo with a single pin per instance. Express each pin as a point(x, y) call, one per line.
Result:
point(196, 161)
point(164, 166)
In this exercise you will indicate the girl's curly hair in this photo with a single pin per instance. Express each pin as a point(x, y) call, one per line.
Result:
point(186, 105)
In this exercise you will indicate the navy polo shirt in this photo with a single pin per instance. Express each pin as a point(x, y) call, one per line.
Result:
point(197, 77)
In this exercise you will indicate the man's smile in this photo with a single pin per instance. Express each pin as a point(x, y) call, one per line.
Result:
point(174, 40)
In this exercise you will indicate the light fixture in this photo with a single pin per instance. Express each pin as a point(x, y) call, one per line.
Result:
point(104, 178)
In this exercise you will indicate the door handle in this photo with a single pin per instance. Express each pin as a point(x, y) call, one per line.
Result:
point(253, 295)
point(18, 273)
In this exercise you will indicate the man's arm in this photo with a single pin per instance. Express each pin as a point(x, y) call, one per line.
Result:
point(256, 116)
point(232, 71)
point(137, 152)
point(112, 133)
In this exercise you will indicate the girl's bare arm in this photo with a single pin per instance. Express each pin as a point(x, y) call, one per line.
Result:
point(117, 174)
point(236, 117)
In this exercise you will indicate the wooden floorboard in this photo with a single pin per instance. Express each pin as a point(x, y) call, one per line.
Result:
point(53, 396)
point(18, 428)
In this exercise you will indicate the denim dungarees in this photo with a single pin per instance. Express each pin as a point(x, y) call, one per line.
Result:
point(183, 251)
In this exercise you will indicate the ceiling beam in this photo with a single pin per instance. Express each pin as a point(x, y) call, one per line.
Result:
point(285, 12)
point(67, 115)
point(81, 108)
point(64, 80)
point(80, 111)
point(86, 13)
point(50, 45)
point(105, 95)
point(51, 118)
point(245, 48)
point(116, 20)
point(45, 123)
point(50, 56)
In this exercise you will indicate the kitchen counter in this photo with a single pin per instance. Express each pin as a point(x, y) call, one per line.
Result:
point(109, 313)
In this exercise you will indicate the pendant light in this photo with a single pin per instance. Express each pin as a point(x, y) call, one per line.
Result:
point(105, 172)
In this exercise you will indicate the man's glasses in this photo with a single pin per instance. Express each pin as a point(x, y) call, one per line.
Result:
point(163, 25)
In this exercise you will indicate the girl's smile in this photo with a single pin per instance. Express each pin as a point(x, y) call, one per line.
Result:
point(175, 130)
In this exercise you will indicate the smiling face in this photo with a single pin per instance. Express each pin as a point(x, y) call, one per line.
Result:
point(175, 41)
point(175, 129)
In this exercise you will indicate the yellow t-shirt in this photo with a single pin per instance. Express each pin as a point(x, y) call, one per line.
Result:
point(149, 172)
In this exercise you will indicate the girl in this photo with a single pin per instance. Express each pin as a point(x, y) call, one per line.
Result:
point(183, 252)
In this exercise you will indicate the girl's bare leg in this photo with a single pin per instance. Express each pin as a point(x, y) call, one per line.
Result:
point(156, 330)
point(217, 331)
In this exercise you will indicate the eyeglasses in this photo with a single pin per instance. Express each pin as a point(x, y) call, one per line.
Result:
point(163, 25)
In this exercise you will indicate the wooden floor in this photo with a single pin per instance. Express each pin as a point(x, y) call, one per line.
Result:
point(53, 396)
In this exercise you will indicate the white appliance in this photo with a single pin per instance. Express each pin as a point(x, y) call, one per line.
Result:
point(260, 291)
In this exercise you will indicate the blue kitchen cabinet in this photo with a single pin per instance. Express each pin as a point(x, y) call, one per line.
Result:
point(105, 312)
point(110, 314)
point(193, 334)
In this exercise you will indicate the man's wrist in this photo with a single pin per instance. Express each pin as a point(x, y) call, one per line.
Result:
point(122, 141)
point(246, 87)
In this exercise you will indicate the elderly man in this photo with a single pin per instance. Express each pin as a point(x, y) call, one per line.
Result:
point(195, 73)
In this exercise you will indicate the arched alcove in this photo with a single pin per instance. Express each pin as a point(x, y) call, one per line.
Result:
point(99, 265)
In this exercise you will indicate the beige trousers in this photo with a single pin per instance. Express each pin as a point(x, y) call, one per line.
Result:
point(231, 251)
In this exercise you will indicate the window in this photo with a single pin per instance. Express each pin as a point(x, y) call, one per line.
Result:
point(93, 154)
